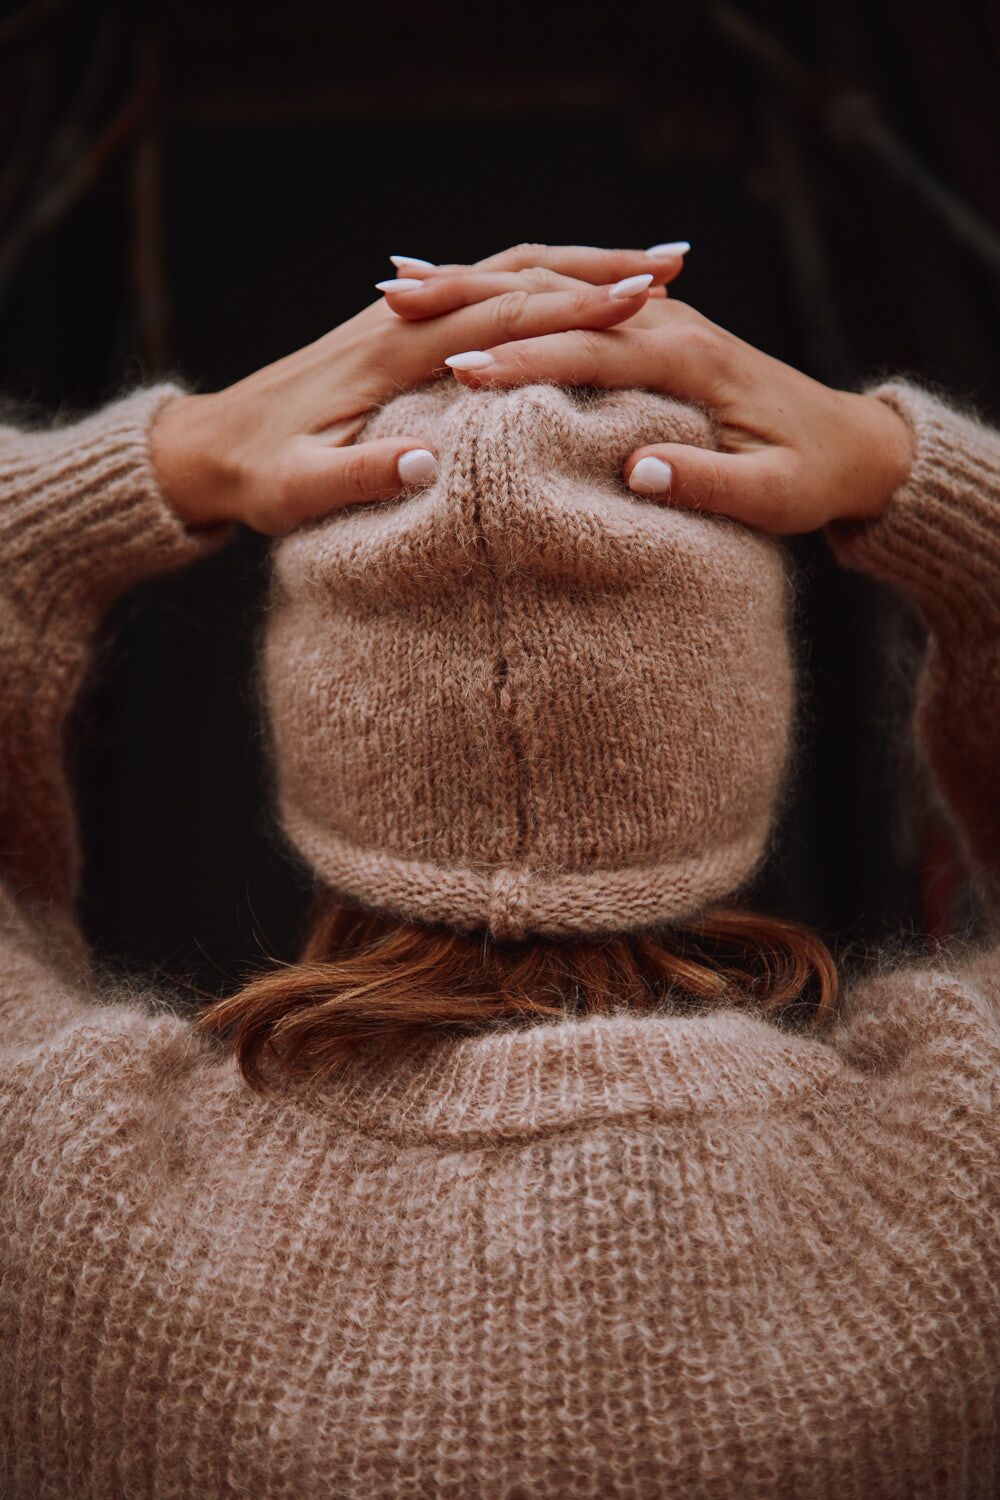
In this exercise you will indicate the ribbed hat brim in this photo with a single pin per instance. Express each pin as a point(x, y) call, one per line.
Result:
point(510, 903)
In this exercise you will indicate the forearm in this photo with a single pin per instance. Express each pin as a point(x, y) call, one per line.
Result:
point(939, 542)
point(81, 519)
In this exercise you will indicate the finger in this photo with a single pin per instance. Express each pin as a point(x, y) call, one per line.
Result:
point(524, 316)
point(683, 355)
point(592, 263)
point(412, 298)
point(319, 477)
point(752, 487)
point(406, 263)
point(585, 262)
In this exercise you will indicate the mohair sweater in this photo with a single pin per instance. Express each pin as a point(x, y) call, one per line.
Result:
point(630, 1256)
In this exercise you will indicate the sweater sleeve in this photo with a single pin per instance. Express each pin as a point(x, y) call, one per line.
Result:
point(939, 542)
point(81, 520)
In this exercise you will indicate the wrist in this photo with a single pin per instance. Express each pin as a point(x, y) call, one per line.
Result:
point(884, 459)
point(186, 462)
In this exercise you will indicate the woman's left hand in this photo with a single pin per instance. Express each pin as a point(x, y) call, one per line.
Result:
point(277, 449)
point(794, 454)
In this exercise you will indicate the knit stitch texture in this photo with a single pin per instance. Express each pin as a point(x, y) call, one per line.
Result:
point(634, 1256)
point(525, 699)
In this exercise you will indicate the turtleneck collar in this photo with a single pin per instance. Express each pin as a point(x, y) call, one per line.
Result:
point(544, 1079)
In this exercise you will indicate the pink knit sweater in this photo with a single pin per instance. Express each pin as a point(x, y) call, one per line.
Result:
point(633, 1256)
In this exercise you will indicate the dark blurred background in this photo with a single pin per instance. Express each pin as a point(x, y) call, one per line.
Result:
point(196, 189)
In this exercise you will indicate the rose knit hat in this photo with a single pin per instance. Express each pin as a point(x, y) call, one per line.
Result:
point(524, 699)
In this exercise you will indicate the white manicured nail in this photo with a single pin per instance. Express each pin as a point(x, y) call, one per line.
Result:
point(630, 287)
point(411, 260)
point(417, 467)
point(670, 250)
point(472, 359)
point(398, 284)
point(651, 476)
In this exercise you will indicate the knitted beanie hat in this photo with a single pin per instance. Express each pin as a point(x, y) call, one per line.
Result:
point(524, 699)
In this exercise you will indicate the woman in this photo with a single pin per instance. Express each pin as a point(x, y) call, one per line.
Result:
point(705, 1230)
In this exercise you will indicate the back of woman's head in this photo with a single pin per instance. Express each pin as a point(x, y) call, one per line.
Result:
point(527, 700)
point(516, 713)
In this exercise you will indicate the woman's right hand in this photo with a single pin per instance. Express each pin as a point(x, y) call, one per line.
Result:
point(277, 449)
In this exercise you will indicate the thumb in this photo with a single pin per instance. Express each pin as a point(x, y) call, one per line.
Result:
point(751, 487)
point(318, 477)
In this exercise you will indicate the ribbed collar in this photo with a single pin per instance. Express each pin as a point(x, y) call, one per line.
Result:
point(546, 1079)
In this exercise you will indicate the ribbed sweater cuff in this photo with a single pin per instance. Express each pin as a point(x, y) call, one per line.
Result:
point(939, 538)
point(81, 514)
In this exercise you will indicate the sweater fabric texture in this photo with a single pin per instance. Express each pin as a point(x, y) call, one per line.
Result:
point(636, 1256)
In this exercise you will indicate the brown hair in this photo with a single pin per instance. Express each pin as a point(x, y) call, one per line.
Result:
point(364, 976)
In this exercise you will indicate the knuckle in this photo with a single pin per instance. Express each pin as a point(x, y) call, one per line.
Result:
point(590, 345)
point(358, 477)
point(538, 278)
point(587, 354)
point(528, 252)
point(509, 309)
point(710, 487)
point(381, 338)
point(699, 341)
point(446, 281)
point(586, 299)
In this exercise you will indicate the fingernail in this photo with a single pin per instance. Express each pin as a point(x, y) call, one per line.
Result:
point(411, 260)
point(630, 287)
point(418, 466)
point(651, 476)
point(669, 250)
point(472, 359)
point(398, 284)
